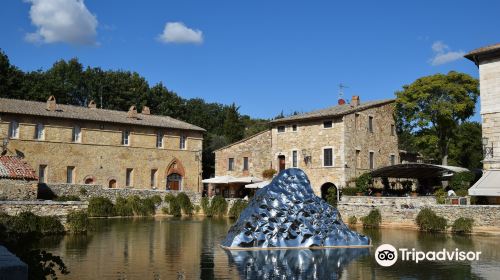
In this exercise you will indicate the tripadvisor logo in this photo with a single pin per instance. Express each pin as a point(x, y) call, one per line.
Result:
point(387, 255)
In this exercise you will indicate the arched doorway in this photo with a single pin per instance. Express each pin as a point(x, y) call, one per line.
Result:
point(89, 180)
point(174, 182)
point(327, 188)
point(112, 184)
point(281, 162)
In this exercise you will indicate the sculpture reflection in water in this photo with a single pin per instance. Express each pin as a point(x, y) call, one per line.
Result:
point(287, 214)
point(294, 264)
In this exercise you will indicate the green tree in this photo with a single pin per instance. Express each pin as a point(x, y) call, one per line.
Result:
point(438, 103)
point(234, 128)
point(466, 147)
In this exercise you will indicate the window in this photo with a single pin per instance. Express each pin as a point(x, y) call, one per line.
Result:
point(39, 132)
point(245, 163)
point(70, 174)
point(356, 121)
point(294, 127)
point(327, 124)
point(153, 178)
point(281, 128)
point(230, 164)
point(328, 157)
point(42, 173)
point(294, 158)
point(159, 140)
point(77, 134)
point(125, 137)
point(357, 159)
point(370, 124)
point(372, 163)
point(182, 143)
point(128, 177)
point(393, 159)
point(14, 129)
point(393, 130)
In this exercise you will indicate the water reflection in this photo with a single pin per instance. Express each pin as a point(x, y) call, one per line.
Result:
point(294, 264)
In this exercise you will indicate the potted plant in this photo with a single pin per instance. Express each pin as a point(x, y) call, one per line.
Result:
point(363, 182)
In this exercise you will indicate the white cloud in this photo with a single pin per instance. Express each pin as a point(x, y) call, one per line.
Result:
point(67, 21)
point(177, 32)
point(443, 54)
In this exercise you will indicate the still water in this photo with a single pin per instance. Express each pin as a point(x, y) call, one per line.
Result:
point(188, 248)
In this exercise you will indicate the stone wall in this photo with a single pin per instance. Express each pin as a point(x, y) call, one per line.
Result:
point(87, 191)
point(402, 211)
point(17, 190)
point(42, 208)
point(100, 157)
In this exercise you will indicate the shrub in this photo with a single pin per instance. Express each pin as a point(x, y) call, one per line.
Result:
point(141, 206)
point(100, 207)
point(372, 220)
point(83, 191)
point(440, 195)
point(197, 209)
point(331, 196)
point(349, 191)
point(428, 220)
point(78, 221)
point(27, 222)
point(237, 207)
point(174, 207)
point(269, 173)
point(185, 203)
point(156, 199)
point(67, 198)
point(352, 220)
point(122, 207)
point(363, 182)
point(462, 225)
point(205, 205)
point(218, 206)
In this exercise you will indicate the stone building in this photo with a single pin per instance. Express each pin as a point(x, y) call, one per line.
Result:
point(487, 59)
point(18, 180)
point(87, 145)
point(333, 145)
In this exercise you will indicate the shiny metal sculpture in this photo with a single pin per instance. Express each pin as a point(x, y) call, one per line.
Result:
point(286, 213)
point(294, 264)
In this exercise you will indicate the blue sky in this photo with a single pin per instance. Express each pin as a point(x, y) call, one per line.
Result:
point(266, 56)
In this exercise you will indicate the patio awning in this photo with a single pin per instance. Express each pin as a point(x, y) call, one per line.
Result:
point(487, 185)
point(232, 180)
point(259, 185)
point(417, 171)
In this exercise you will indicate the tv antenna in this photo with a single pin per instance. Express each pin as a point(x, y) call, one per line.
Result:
point(341, 93)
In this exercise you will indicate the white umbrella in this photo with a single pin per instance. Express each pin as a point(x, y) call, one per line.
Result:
point(258, 185)
point(245, 180)
point(219, 180)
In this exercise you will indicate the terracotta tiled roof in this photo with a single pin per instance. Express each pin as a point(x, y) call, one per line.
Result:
point(12, 167)
point(339, 110)
point(15, 106)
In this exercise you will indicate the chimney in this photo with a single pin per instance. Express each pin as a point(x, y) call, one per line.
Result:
point(355, 100)
point(145, 110)
point(92, 104)
point(341, 101)
point(132, 112)
point(51, 103)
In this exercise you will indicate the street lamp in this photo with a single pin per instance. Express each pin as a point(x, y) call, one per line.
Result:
point(487, 151)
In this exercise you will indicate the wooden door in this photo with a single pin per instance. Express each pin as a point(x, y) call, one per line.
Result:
point(282, 164)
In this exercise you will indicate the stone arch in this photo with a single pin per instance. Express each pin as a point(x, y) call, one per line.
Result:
point(112, 182)
point(325, 187)
point(89, 180)
point(175, 166)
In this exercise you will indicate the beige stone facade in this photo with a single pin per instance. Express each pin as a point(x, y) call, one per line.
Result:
point(307, 141)
point(99, 155)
